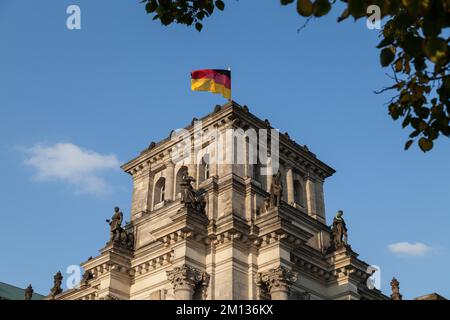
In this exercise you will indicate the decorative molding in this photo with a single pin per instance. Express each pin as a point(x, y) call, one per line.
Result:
point(157, 262)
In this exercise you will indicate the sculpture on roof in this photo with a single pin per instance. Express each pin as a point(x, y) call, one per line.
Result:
point(57, 285)
point(339, 237)
point(28, 293)
point(276, 190)
point(191, 198)
point(395, 287)
point(115, 224)
point(118, 235)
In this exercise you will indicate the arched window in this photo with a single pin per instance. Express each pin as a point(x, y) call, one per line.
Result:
point(181, 172)
point(204, 170)
point(160, 188)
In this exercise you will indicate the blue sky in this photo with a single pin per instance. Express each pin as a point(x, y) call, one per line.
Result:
point(103, 93)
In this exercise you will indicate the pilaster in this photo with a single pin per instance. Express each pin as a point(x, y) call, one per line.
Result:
point(188, 282)
point(277, 282)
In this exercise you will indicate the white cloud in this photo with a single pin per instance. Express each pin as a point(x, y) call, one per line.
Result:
point(417, 249)
point(69, 163)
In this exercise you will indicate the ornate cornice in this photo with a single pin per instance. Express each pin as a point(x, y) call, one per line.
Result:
point(152, 264)
point(231, 115)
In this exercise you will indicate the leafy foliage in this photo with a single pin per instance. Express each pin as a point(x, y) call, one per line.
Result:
point(188, 12)
point(413, 45)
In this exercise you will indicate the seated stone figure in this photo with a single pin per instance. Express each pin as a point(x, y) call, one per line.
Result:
point(188, 197)
point(191, 198)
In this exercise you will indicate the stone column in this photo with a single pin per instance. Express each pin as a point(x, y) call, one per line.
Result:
point(269, 175)
point(247, 166)
point(320, 202)
point(311, 196)
point(187, 281)
point(290, 185)
point(150, 185)
point(170, 180)
point(278, 282)
point(192, 166)
point(141, 186)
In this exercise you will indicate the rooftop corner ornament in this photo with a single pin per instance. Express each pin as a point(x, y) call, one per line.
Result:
point(28, 293)
point(57, 282)
point(395, 287)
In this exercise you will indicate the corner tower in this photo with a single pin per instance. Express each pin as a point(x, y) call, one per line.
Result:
point(207, 229)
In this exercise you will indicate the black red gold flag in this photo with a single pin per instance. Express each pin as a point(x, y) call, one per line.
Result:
point(212, 80)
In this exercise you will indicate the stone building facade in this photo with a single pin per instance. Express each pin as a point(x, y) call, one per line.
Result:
point(235, 245)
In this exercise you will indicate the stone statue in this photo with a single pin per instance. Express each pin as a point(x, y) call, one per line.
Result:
point(118, 235)
point(115, 225)
point(201, 203)
point(339, 236)
point(395, 287)
point(187, 190)
point(265, 207)
point(127, 236)
point(276, 190)
point(191, 198)
point(87, 275)
point(29, 292)
point(57, 281)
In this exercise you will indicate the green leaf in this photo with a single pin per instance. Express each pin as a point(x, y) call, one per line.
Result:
point(220, 5)
point(150, 6)
point(356, 8)
point(435, 49)
point(304, 8)
point(387, 55)
point(198, 26)
point(386, 42)
point(425, 144)
point(408, 144)
point(321, 8)
point(345, 14)
point(398, 65)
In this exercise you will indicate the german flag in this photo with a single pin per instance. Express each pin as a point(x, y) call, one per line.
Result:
point(212, 80)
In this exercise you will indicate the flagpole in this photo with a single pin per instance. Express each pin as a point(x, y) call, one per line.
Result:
point(231, 99)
